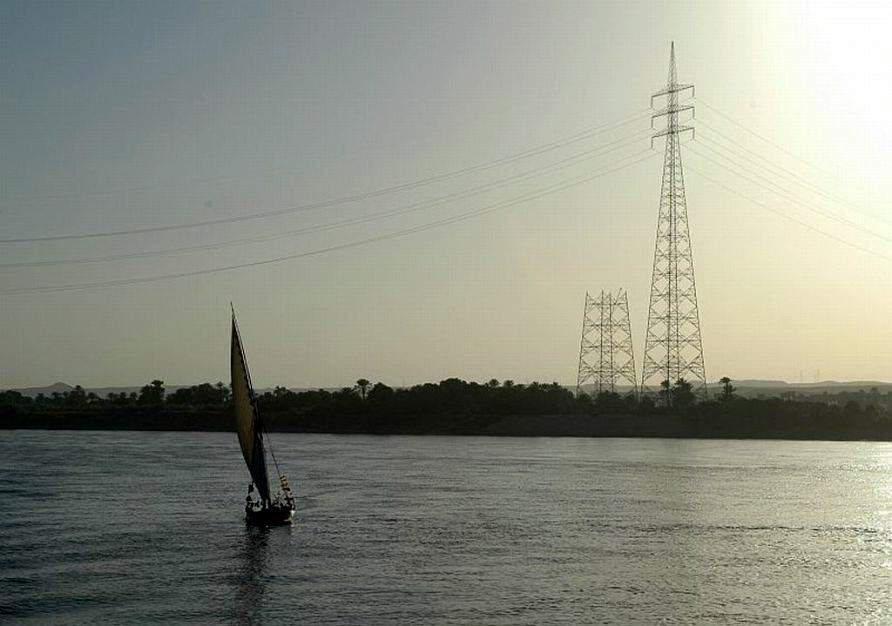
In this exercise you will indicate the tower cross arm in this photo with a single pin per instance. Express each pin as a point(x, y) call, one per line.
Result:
point(670, 131)
point(670, 89)
point(672, 108)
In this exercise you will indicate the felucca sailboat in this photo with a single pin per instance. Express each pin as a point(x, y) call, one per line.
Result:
point(268, 510)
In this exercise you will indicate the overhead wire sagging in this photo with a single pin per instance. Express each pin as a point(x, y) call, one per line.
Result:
point(642, 156)
point(579, 136)
point(529, 174)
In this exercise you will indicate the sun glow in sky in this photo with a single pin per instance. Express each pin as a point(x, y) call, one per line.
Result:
point(119, 117)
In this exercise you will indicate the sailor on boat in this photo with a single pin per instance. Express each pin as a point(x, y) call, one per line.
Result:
point(250, 503)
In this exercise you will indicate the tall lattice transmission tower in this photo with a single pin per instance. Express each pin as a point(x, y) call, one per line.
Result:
point(605, 353)
point(672, 346)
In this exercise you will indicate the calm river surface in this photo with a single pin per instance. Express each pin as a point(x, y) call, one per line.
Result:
point(147, 527)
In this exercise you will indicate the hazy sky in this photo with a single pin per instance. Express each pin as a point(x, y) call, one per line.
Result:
point(123, 116)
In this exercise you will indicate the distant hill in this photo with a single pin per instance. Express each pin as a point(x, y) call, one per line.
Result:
point(830, 384)
point(771, 388)
point(746, 387)
point(752, 388)
point(102, 392)
point(47, 391)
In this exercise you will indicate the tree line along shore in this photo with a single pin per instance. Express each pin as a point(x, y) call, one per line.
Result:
point(457, 407)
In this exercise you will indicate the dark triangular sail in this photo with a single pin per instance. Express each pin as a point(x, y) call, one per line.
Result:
point(247, 419)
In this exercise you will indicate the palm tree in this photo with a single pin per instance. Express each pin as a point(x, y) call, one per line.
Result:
point(727, 388)
point(666, 392)
point(363, 385)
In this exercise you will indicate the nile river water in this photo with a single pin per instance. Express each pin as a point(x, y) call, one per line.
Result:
point(147, 527)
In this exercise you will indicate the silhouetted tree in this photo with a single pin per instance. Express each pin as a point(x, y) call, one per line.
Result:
point(727, 388)
point(224, 392)
point(363, 385)
point(608, 402)
point(117, 399)
point(204, 394)
point(380, 392)
point(584, 403)
point(13, 398)
point(77, 397)
point(646, 405)
point(152, 393)
point(682, 394)
point(666, 392)
point(381, 400)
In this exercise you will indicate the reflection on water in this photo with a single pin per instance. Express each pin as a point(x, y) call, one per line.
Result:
point(250, 578)
point(417, 530)
point(255, 567)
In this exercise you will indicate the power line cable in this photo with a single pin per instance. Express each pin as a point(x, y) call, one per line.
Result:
point(765, 139)
point(337, 201)
point(416, 206)
point(784, 193)
point(788, 217)
point(802, 181)
point(399, 233)
point(774, 186)
point(577, 136)
point(760, 161)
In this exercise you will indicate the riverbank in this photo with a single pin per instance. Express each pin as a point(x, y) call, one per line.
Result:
point(565, 425)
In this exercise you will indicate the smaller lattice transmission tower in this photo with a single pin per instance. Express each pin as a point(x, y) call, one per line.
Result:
point(605, 353)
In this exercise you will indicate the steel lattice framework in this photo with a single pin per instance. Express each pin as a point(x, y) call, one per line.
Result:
point(673, 348)
point(605, 353)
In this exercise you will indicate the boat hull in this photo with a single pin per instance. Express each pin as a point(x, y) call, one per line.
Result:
point(269, 516)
